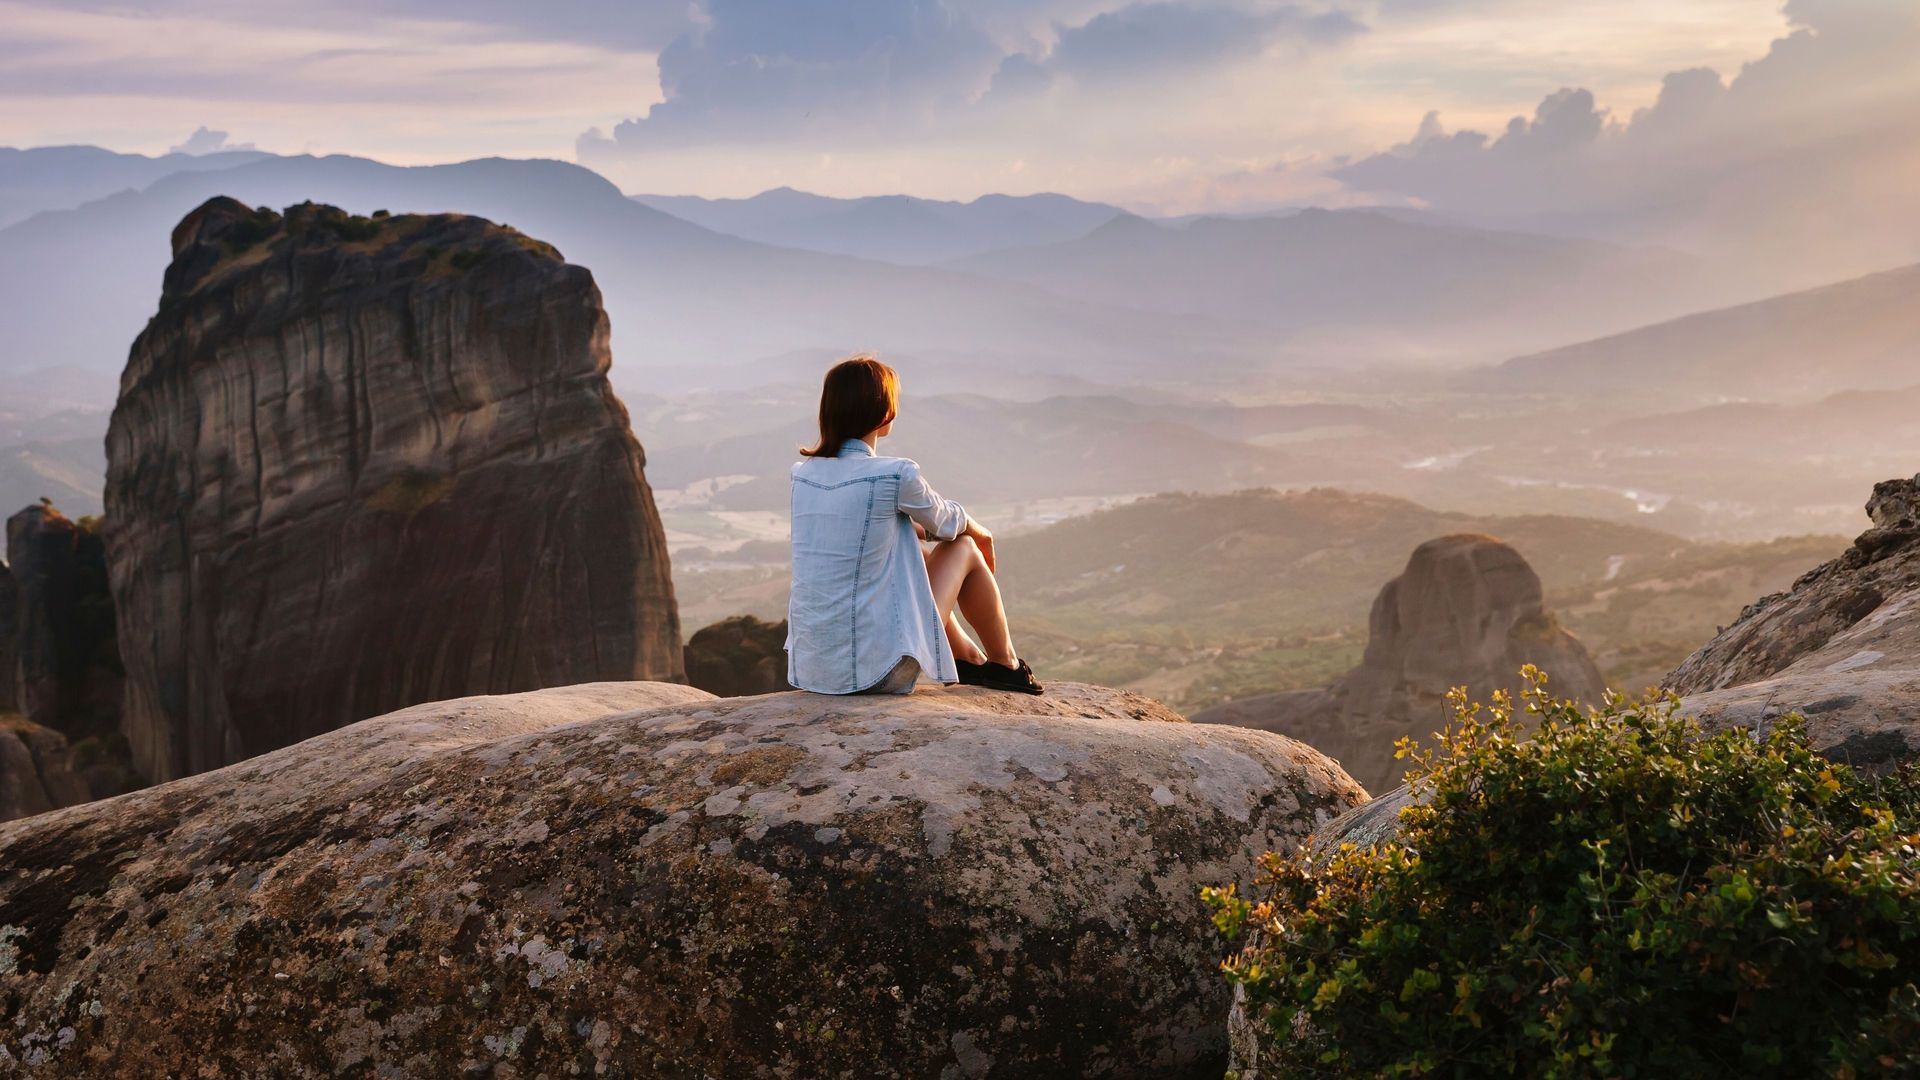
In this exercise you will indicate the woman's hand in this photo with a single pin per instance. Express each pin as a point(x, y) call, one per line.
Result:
point(919, 530)
point(982, 536)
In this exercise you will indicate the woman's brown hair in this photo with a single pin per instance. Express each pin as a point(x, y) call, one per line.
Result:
point(859, 395)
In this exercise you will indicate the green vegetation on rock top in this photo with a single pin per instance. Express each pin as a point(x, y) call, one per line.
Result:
point(1619, 896)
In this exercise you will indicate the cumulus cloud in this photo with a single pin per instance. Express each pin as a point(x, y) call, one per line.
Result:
point(644, 25)
point(205, 140)
point(779, 69)
point(1821, 132)
point(1150, 39)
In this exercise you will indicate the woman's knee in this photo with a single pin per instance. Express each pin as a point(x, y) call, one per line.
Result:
point(960, 547)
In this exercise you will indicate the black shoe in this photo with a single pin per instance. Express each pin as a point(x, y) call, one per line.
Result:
point(994, 676)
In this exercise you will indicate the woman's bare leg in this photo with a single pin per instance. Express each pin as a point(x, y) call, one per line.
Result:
point(961, 579)
point(963, 646)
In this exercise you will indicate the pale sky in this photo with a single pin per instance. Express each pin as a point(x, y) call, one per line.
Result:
point(1165, 105)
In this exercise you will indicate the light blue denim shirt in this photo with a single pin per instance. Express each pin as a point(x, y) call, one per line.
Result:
point(860, 598)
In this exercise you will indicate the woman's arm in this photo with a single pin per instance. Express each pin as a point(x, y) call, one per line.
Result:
point(936, 517)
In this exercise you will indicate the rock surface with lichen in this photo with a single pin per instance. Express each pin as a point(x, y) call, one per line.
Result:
point(1467, 611)
point(1842, 647)
point(639, 879)
point(360, 463)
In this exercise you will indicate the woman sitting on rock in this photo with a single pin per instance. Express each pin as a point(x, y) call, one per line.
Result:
point(870, 610)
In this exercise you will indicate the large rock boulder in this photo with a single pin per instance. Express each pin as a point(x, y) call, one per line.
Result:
point(362, 463)
point(1842, 647)
point(641, 880)
point(1467, 611)
point(739, 656)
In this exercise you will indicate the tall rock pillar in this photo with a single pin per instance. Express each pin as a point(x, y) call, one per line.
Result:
point(361, 463)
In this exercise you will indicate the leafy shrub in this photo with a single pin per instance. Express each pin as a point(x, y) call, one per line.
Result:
point(242, 235)
point(1619, 896)
point(315, 221)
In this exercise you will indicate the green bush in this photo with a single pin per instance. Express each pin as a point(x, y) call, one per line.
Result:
point(1621, 895)
point(242, 235)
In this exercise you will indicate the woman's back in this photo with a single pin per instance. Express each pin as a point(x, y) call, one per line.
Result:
point(861, 599)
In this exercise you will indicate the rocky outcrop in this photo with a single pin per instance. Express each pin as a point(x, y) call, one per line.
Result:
point(9, 640)
point(641, 880)
point(739, 656)
point(359, 463)
point(1467, 611)
point(1842, 647)
point(60, 677)
point(36, 773)
point(65, 659)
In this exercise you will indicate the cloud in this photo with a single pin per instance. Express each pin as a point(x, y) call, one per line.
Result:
point(406, 90)
point(1823, 130)
point(644, 25)
point(204, 140)
point(794, 71)
point(1152, 39)
point(793, 68)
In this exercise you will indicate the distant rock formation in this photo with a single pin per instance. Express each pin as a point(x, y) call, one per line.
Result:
point(1841, 647)
point(642, 880)
point(739, 657)
point(9, 640)
point(66, 660)
point(1467, 611)
point(36, 770)
point(60, 679)
point(359, 463)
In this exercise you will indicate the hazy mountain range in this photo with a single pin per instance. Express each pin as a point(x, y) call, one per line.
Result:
point(892, 228)
point(1126, 301)
point(1855, 335)
point(61, 177)
point(1125, 359)
point(80, 283)
point(1369, 285)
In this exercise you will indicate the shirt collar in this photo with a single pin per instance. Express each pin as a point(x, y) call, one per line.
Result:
point(855, 448)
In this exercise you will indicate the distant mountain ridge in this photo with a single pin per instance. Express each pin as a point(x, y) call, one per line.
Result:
point(891, 228)
point(1376, 284)
point(62, 177)
point(80, 283)
point(1862, 334)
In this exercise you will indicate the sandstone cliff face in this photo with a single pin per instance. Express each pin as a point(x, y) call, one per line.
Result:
point(362, 463)
point(642, 880)
point(1467, 611)
point(1842, 647)
point(739, 656)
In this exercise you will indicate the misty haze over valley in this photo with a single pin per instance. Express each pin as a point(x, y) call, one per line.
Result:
point(1650, 367)
point(1062, 358)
